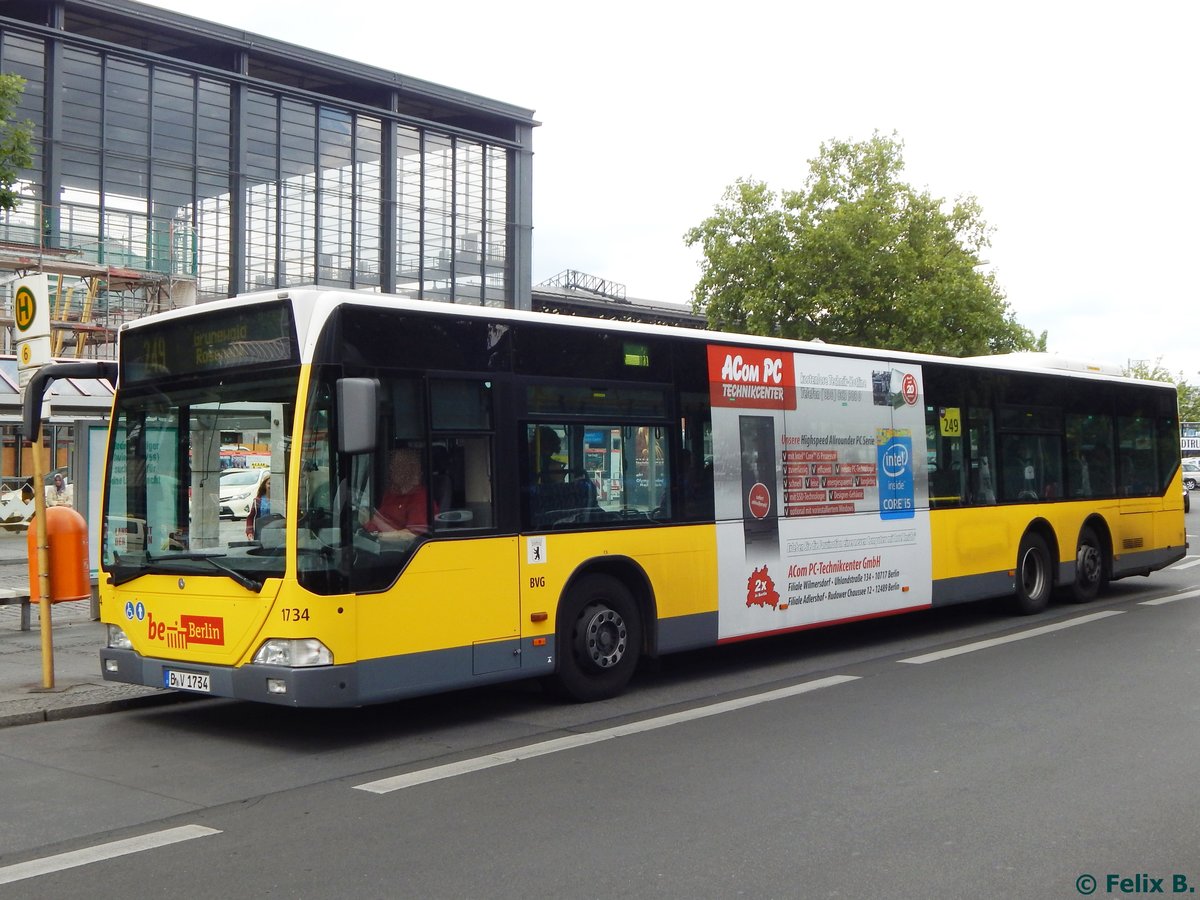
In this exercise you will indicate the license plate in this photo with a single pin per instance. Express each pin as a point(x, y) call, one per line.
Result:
point(187, 681)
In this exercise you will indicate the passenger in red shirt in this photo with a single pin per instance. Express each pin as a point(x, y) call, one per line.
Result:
point(403, 511)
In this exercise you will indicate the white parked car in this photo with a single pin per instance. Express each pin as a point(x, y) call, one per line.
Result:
point(239, 487)
point(1191, 472)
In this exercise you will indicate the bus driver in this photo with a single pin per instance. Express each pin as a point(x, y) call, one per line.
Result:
point(403, 510)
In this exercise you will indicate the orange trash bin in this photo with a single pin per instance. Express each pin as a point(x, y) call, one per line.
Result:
point(66, 540)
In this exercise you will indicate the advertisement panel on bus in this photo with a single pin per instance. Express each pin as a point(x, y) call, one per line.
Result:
point(821, 500)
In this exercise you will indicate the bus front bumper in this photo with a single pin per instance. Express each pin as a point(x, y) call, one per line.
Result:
point(318, 686)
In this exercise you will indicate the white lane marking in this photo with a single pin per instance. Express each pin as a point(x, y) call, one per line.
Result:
point(1008, 639)
point(463, 767)
point(1186, 563)
point(1159, 601)
point(45, 866)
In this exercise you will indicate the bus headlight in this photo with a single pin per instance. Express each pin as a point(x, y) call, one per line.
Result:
point(118, 639)
point(294, 652)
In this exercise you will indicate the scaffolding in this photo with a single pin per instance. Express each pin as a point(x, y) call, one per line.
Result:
point(95, 286)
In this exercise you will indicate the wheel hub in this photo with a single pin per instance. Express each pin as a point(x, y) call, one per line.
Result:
point(604, 638)
point(1032, 576)
point(1088, 562)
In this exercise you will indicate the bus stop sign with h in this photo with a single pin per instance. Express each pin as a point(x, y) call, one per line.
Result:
point(66, 537)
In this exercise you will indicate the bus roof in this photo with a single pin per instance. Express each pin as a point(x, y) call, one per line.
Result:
point(314, 305)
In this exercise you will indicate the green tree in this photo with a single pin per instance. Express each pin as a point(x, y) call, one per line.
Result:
point(856, 257)
point(1189, 395)
point(16, 140)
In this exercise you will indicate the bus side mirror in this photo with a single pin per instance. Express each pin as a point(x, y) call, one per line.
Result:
point(356, 399)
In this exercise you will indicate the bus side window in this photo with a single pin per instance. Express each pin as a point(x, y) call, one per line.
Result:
point(596, 475)
point(559, 495)
point(983, 455)
point(1032, 467)
point(1089, 455)
point(460, 477)
point(945, 455)
point(461, 483)
point(1137, 463)
point(1020, 473)
point(693, 474)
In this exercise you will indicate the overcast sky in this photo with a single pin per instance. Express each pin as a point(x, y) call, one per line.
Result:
point(1074, 124)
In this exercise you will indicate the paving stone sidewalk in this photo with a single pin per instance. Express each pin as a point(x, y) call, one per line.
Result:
point(76, 637)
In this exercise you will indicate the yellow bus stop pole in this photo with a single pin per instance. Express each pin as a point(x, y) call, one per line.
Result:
point(31, 427)
point(43, 563)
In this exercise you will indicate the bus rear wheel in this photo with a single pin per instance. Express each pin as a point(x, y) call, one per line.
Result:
point(599, 638)
point(1034, 579)
point(1091, 567)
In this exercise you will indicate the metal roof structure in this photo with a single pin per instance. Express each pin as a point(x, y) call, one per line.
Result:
point(573, 293)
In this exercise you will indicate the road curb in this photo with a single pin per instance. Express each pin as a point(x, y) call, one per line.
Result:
point(94, 708)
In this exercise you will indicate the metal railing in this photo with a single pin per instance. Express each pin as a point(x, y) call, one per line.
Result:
point(112, 238)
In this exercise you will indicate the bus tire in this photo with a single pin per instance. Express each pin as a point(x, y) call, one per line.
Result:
point(599, 639)
point(1091, 567)
point(1034, 578)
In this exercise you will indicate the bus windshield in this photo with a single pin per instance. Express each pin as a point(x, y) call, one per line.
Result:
point(168, 508)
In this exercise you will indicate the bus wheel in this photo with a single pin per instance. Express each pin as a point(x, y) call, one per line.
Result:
point(1089, 567)
point(600, 639)
point(1033, 575)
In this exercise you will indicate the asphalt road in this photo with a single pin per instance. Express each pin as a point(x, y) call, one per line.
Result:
point(957, 753)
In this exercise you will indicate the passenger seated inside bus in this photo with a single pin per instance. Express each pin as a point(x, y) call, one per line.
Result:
point(557, 495)
point(545, 447)
point(403, 511)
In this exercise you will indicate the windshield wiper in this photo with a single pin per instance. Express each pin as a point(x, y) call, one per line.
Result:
point(123, 572)
point(245, 581)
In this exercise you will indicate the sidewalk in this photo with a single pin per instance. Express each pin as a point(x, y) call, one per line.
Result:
point(79, 688)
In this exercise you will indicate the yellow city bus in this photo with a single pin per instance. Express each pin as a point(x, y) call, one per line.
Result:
point(583, 493)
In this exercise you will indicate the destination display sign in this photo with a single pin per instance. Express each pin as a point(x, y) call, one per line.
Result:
point(228, 339)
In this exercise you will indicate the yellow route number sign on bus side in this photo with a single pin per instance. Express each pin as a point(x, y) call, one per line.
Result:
point(950, 421)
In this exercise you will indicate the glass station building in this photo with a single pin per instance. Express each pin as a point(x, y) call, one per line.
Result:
point(203, 161)
point(178, 161)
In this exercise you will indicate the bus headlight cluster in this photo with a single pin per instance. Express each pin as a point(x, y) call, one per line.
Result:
point(294, 652)
point(118, 639)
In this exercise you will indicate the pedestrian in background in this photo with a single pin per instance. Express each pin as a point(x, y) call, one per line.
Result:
point(58, 493)
point(260, 508)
